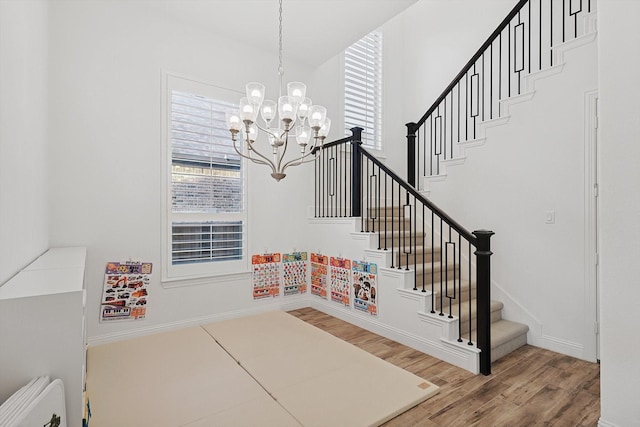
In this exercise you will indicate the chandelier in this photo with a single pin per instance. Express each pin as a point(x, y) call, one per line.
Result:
point(297, 118)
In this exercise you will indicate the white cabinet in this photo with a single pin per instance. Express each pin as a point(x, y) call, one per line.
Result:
point(42, 327)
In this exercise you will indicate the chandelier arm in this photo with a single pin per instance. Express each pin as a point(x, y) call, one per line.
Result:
point(266, 161)
point(284, 150)
point(300, 160)
point(266, 130)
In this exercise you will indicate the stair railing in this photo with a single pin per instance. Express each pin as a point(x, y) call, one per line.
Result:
point(521, 44)
point(446, 260)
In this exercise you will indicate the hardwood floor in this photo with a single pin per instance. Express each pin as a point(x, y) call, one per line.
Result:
point(529, 387)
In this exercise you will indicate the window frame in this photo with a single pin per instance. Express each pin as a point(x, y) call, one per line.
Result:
point(369, 141)
point(174, 275)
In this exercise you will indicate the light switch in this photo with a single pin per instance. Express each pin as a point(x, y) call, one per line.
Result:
point(550, 217)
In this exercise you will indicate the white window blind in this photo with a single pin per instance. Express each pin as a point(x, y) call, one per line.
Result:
point(363, 88)
point(207, 201)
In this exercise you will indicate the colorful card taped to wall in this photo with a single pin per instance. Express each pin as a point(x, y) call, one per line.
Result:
point(266, 275)
point(295, 273)
point(340, 281)
point(319, 270)
point(126, 291)
point(364, 287)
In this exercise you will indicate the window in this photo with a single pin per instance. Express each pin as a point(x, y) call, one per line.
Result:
point(206, 216)
point(363, 88)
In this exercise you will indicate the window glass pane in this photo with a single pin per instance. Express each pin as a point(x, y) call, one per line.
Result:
point(206, 172)
point(363, 88)
point(206, 241)
point(207, 184)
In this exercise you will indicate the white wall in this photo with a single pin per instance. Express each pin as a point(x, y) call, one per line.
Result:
point(23, 134)
point(105, 106)
point(620, 211)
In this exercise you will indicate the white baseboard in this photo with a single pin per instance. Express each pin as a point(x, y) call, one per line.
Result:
point(196, 321)
point(458, 355)
point(603, 423)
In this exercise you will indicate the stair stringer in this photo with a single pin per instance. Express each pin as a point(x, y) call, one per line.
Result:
point(527, 94)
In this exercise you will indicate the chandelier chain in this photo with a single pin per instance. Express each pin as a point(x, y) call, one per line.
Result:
point(280, 67)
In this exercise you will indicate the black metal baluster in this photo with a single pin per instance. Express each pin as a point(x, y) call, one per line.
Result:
point(334, 183)
point(441, 275)
point(470, 341)
point(431, 147)
point(401, 225)
point(529, 26)
point(499, 74)
point(378, 208)
point(518, 36)
point(368, 198)
point(458, 85)
point(386, 213)
point(509, 61)
point(347, 173)
point(540, 38)
point(550, 33)
point(340, 182)
point(393, 254)
point(433, 267)
point(466, 107)
point(446, 269)
point(484, 74)
point(451, 118)
point(491, 83)
point(563, 17)
point(424, 248)
point(475, 98)
point(459, 277)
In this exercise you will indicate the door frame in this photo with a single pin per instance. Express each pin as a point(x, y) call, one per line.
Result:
point(592, 288)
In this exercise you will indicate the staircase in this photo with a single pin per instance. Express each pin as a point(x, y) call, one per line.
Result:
point(434, 281)
point(426, 265)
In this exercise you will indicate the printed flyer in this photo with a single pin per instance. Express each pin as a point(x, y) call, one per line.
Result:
point(364, 287)
point(319, 265)
point(126, 291)
point(340, 281)
point(266, 275)
point(295, 273)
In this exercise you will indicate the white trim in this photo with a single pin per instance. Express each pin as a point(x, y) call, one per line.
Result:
point(563, 346)
point(603, 423)
point(199, 273)
point(591, 225)
point(197, 321)
point(463, 357)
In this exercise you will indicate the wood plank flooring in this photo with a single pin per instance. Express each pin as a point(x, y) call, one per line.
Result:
point(529, 387)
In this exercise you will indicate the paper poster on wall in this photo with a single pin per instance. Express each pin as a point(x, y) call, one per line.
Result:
point(125, 291)
point(340, 280)
point(365, 287)
point(266, 275)
point(295, 273)
point(319, 266)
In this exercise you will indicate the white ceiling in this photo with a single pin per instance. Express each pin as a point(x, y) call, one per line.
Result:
point(313, 30)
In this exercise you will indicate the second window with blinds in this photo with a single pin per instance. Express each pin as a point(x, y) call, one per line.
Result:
point(363, 88)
